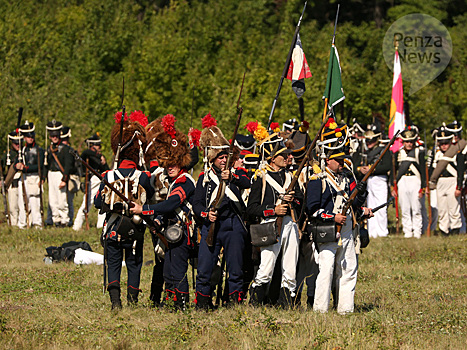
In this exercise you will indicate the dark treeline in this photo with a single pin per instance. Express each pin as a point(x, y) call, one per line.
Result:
point(66, 59)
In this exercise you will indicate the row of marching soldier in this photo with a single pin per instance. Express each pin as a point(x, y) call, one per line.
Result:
point(26, 166)
point(258, 198)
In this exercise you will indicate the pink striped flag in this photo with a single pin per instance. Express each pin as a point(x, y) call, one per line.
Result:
point(396, 115)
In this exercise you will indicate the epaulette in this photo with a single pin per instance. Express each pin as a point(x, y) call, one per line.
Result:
point(258, 173)
point(316, 169)
point(181, 180)
point(314, 177)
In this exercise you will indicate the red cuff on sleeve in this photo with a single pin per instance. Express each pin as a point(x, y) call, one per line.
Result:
point(204, 214)
point(269, 212)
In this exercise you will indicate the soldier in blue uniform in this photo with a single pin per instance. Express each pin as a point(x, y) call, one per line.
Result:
point(229, 231)
point(123, 231)
point(173, 214)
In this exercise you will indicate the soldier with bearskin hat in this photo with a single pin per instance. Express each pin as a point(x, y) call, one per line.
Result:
point(229, 230)
point(449, 184)
point(378, 181)
point(59, 164)
point(268, 201)
point(326, 196)
point(174, 214)
point(12, 177)
point(33, 158)
point(123, 232)
point(411, 182)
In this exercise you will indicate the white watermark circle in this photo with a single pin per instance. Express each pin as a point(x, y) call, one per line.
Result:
point(424, 45)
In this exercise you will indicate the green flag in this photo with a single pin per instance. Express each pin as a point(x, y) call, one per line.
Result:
point(334, 91)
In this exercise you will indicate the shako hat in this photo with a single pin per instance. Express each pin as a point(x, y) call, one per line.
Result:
point(409, 134)
point(166, 144)
point(335, 143)
point(65, 132)
point(443, 134)
point(54, 128)
point(454, 127)
point(245, 143)
point(373, 133)
point(28, 129)
point(14, 136)
point(301, 140)
point(94, 140)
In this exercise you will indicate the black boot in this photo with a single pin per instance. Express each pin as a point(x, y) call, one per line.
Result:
point(132, 296)
point(181, 300)
point(115, 298)
point(455, 231)
point(235, 298)
point(310, 301)
point(285, 299)
point(258, 294)
point(444, 234)
point(203, 302)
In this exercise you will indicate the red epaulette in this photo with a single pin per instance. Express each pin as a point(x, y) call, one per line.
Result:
point(181, 180)
point(240, 168)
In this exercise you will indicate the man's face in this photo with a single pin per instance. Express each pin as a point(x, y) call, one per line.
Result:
point(443, 146)
point(409, 145)
point(336, 165)
point(54, 139)
point(173, 171)
point(219, 162)
point(371, 143)
point(96, 148)
point(15, 146)
point(280, 160)
point(289, 159)
point(29, 140)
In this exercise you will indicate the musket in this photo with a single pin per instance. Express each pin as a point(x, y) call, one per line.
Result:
point(375, 209)
point(286, 67)
point(222, 185)
point(428, 196)
point(299, 170)
point(39, 171)
point(20, 160)
point(221, 280)
point(86, 195)
point(394, 182)
point(354, 194)
point(122, 119)
point(127, 201)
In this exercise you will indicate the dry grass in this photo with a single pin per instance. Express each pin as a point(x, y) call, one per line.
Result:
point(411, 294)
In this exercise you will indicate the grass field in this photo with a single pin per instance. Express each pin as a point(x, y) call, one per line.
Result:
point(411, 294)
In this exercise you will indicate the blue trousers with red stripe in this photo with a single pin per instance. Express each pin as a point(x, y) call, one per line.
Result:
point(134, 262)
point(230, 234)
point(176, 266)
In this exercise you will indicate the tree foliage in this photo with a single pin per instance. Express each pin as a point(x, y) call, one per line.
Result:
point(66, 60)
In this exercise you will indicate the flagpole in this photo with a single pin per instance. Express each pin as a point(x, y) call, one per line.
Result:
point(286, 67)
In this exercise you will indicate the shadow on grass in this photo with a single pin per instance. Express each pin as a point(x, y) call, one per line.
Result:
point(365, 307)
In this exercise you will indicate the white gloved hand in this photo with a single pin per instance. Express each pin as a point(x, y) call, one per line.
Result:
point(159, 249)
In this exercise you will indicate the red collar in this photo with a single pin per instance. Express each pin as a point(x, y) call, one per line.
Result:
point(127, 164)
point(153, 163)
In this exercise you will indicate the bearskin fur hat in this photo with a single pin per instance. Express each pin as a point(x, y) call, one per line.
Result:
point(134, 136)
point(166, 144)
point(212, 140)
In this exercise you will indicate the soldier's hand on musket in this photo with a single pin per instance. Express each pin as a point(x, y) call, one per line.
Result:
point(420, 194)
point(225, 175)
point(364, 169)
point(340, 219)
point(19, 166)
point(62, 185)
point(281, 209)
point(212, 216)
point(368, 212)
point(394, 193)
point(289, 196)
point(136, 209)
point(457, 193)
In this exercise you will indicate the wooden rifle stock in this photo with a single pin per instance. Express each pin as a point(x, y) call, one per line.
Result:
point(222, 185)
point(148, 221)
point(86, 195)
point(300, 168)
point(354, 194)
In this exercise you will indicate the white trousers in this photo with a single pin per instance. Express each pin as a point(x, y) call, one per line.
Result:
point(377, 195)
point(93, 187)
point(338, 265)
point(411, 207)
point(448, 205)
point(13, 205)
point(288, 241)
point(58, 200)
point(31, 182)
